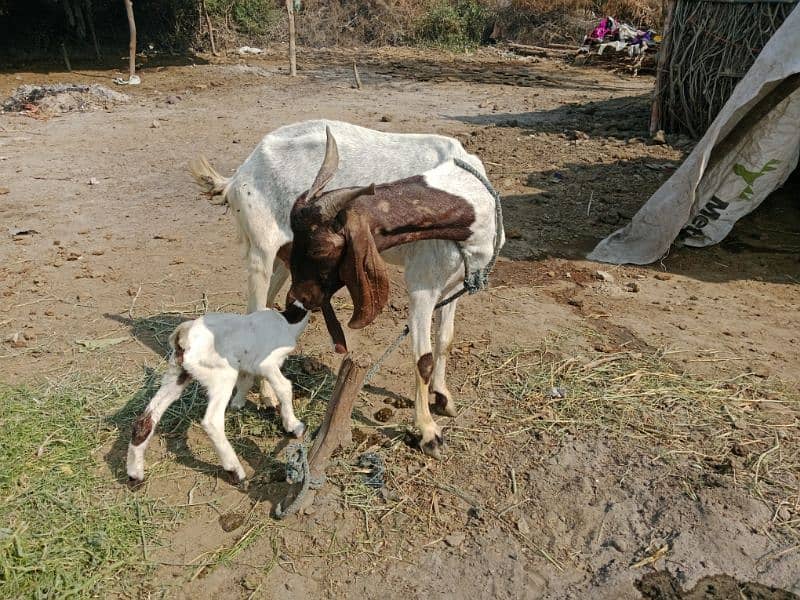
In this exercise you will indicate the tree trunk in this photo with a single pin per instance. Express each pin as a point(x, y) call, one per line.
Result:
point(132, 46)
point(335, 429)
point(292, 58)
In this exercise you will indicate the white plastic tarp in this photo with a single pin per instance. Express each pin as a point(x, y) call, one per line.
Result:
point(699, 206)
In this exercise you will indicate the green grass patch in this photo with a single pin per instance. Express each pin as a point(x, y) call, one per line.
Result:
point(65, 529)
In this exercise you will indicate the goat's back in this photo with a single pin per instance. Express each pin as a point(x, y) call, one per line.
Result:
point(285, 162)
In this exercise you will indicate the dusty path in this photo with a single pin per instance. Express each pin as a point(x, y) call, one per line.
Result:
point(123, 246)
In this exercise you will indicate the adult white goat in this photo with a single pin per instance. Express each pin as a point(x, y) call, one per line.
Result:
point(264, 188)
point(340, 239)
point(216, 349)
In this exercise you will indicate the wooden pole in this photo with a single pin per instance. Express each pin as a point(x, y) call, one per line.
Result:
point(210, 28)
point(132, 46)
point(90, 20)
point(356, 76)
point(292, 56)
point(66, 57)
point(662, 66)
point(335, 429)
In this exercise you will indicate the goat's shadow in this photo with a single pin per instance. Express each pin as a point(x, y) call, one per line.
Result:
point(312, 384)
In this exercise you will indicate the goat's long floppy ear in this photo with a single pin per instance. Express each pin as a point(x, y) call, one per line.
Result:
point(328, 169)
point(363, 271)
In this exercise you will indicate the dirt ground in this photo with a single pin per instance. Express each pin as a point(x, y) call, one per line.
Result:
point(106, 238)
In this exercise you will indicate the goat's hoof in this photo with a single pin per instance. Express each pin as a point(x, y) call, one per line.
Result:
point(299, 431)
point(444, 404)
point(433, 447)
point(235, 478)
point(135, 482)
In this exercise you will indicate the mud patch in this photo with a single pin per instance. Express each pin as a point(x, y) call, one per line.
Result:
point(660, 585)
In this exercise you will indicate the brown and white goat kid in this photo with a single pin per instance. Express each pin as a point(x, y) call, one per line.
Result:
point(215, 349)
point(430, 224)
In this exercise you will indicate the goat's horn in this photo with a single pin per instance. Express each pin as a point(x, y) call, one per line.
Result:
point(329, 166)
point(330, 204)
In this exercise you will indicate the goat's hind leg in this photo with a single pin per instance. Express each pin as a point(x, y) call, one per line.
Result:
point(173, 383)
point(444, 338)
point(219, 387)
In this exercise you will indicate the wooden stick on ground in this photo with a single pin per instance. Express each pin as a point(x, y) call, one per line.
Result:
point(132, 45)
point(335, 429)
point(662, 66)
point(292, 57)
point(357, 77)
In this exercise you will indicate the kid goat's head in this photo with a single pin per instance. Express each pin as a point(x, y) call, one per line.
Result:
point(333, 246)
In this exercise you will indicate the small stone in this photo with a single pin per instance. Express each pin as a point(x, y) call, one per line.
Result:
point(663, 276)
point(659, 137)
point(386, 118)
point(155, 124)
point(513, 234)
point(618, 544)
point(784, 513)
point(384, 414)
point(93, 181)
point(49, 313)
point(231, 520)
point(172, 99)
point(4, 191)
point(632, 286)
point(523, 527)
point(575, 302)
point(604, 276)
point(454, 540)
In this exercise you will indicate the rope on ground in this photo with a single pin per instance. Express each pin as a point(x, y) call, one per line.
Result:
point(297, 470)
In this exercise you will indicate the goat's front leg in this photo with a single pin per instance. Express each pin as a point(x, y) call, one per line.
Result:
point(283, 389)
point(444, 337)
point(219, 386)
point(243, 385)
point(172, 384)
point(420, 311)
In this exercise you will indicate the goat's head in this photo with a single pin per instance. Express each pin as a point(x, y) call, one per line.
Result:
point(333, 246)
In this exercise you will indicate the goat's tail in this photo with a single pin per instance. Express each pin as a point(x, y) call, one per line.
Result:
point(178, 341)
point(209, 179)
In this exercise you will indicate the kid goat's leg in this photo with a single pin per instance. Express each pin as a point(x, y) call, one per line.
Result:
point(444, 337)
point(172, 384)
point(283, 389)
point(420, 311)
point(219, 387)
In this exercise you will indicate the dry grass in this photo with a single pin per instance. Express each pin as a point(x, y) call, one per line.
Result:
point(739, 425)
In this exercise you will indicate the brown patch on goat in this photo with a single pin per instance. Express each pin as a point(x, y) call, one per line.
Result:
point(425, 367)
point(183, 377)
point(141, 429)
point(418, 212)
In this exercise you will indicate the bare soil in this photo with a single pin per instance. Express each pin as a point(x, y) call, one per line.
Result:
point(106, 238)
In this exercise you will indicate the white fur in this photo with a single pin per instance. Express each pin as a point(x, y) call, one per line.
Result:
point(222, 351)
